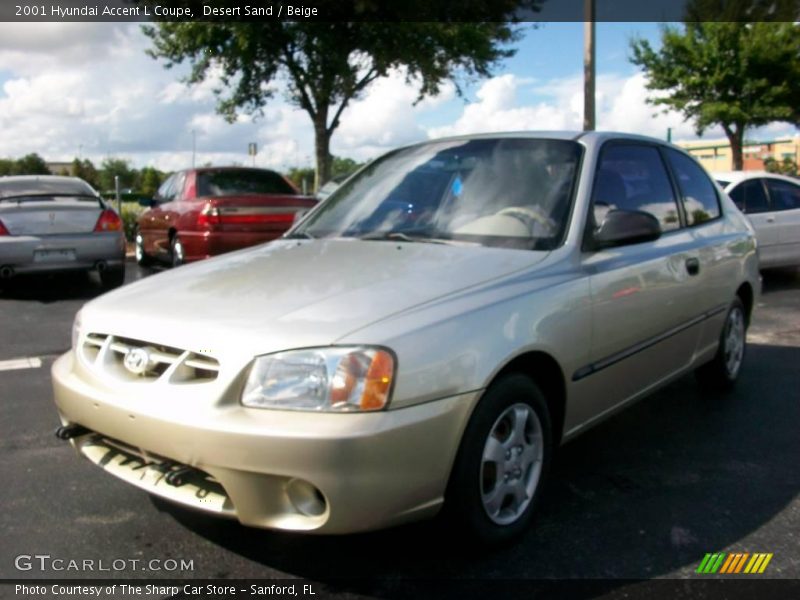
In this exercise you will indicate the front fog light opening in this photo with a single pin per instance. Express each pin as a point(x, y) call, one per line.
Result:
point(305, 498)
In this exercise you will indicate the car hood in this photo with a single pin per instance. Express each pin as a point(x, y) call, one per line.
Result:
point(293, 294)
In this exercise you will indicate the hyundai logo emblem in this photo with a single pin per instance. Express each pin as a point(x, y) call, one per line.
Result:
point(137, 360)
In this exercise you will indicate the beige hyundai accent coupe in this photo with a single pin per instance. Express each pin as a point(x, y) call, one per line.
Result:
point(420, 342)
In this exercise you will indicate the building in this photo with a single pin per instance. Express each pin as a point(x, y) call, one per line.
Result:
point(715, 155)
point(60, 168)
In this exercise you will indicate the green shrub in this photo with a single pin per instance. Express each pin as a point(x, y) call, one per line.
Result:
point(131, 212)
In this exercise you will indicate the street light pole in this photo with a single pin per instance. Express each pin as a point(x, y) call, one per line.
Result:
point(588, 65)
point(194, 146)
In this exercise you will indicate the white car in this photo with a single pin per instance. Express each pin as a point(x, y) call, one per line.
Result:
point(772, 203)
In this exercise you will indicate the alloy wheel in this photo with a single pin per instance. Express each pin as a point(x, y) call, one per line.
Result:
point(512, 463)
point(734, 342)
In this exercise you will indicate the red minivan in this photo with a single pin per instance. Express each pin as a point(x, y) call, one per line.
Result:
point(198, 213)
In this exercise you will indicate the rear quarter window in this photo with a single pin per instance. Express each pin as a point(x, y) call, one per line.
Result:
point(784, 195)
point(697, 192)
point(750, 197)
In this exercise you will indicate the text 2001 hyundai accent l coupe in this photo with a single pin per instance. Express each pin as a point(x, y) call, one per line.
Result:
point(423, 340)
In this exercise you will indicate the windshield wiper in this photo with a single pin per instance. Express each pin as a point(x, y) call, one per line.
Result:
point(300, 235)
point(399, 236)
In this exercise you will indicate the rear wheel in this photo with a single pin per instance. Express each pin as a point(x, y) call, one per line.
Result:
point(141, 256)
point(176, 251)
point(502, 463)
point(723, 371)
point(112, 278)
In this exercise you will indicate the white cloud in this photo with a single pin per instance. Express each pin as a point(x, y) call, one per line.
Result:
point(624, 107)
point(620, 105)
point(386, 117)
point(498, 109)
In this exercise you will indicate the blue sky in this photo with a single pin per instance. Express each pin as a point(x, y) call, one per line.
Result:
point(89, 89)
point(554, 50)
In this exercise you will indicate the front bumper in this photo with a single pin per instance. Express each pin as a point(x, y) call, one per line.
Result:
point(85, 251)
point(370, 470)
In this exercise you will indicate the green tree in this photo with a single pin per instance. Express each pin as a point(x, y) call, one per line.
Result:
point(31, 164)
point(733, 74)
point(783, 167)
point(6, 166)
point(112, 167)
point(148, 179)
point(327, 64)
point(342, 167)
point(297, 175)
point(86, 171)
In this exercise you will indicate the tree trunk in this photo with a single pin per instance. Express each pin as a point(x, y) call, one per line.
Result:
point(322, 142)
point(735, 138)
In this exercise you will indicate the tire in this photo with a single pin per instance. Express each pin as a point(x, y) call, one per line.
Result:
point(142, 258)
point(112, 278)
point(723, 370)
point(176, 251)
point(502, 463)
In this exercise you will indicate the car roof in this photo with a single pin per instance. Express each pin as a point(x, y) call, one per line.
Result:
point(587, 138)
point(734, 177)
point(229, 168)
point(25, 185)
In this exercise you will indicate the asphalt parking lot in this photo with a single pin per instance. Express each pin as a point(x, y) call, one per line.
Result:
point(645, 495)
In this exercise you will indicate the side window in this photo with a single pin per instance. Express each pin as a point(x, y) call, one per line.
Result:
point(784, 195)
point(699, 195)
point(633, 177)
point(177, 190)
point(165, 190)
point(750, 197)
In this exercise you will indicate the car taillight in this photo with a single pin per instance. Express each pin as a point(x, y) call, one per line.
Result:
point(257, 218)
point(108, 221)
point(211, 216)
point(3, 230)
point(208, 217)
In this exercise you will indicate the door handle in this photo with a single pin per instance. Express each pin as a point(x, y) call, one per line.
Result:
point(770, 219)
point(692, 266)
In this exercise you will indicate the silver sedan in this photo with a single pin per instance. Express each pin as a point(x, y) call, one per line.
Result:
point(50, 224)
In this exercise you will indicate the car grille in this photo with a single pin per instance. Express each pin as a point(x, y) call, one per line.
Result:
point(146, 362)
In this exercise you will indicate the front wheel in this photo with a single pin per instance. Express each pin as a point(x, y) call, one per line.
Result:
point(142, 259)
point(502, 463)
point(176, 251)
point(723, 370)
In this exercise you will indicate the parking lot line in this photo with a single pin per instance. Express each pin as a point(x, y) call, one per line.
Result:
point(33, 362)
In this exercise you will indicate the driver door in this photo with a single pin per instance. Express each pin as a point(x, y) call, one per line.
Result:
point(642, 294)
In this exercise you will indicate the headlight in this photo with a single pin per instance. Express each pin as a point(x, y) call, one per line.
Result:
point(76, 330)
point(336, 379)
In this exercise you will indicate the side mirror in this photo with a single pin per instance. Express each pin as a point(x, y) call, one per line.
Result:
point(621, 227)
point(147, 202)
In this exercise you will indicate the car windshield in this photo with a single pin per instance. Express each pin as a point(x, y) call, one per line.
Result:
point(496, 192)
point(233, 182)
